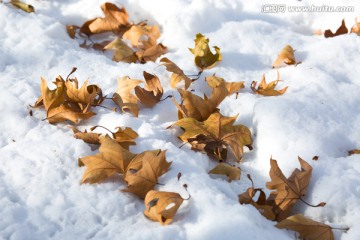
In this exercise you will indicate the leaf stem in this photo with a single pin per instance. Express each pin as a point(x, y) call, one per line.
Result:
point(319, 205)
point(98, 126)
point(169, 96)
point(183, 144)
point(112, 109)
point(342, 229)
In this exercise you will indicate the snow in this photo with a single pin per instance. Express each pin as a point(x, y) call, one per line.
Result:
point(40, 194)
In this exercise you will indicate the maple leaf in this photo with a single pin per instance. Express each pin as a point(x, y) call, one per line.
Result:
point(177, 74)
point(288, 190)
point(111, 159)
point(356, 28)
point(232, 87)
point(355, 151)
point(151, 53)
point(162, 206)
point(204, 58)
point(268, 89)
point(88, 137)
point(141, 178)
point(285, 56)
point(153, 91)
point(88, 95)
point(341, 30)
point(116, 19)
point(23, 6)
point(215, 134)
point(198, 108)
point(123, 97)
point(142, 35)
point(66, 112)
point(307, 228)
point(232, 172)
point(123, 53)
point(260, 204)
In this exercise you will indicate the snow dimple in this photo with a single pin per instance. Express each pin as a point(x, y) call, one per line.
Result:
point(40, 194)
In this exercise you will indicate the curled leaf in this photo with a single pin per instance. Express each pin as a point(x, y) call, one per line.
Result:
point(177, 74)
point(23, 6)
point(142, 35)
point(204, 58)
point(232, 87)
point(153, 91)
point(341, 30)
point(122, 53)
point(233, 173)
point(268, 89)
point(162, 206)
point(151, 53)
point(285, 56)
point(356, 28)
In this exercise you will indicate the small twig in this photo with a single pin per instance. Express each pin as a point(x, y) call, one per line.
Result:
point(169, 96)
point(112, 109)
point(183, 144)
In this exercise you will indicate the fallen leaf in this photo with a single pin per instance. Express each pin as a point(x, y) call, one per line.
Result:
point(198, 108)
point(268, 89)
point(162, 206)
point(143, 180)
point(152, 53)
point(87, 95)
point(23, 6)
point(64, 112)
point(355, 151)
point(111, 159)
point(123, 97)
point(233, 173)
point(125, 137)
point(307, 228)
point(143, 36)
point(204, 58)
point(356, 28)
point(177, 74)
point(153, 91)
point(115, 19)
point(341, 30)
point(214, 135)
point(88, 137)
point(232, 87)
point(122, 53)
point(285, 56)
point(71, 30)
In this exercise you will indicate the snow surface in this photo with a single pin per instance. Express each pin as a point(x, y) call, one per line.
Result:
point(40, 194)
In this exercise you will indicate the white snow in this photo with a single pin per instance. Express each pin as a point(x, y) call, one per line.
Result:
point(40, 194)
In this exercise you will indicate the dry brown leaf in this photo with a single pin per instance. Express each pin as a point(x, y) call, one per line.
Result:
point(125, 137)
point(215, 134)
point(198, 108)
point(111, 159)
point(341, 30)
point(71, 30)
point(122, 53)
point(23, 6)
point(355, 151)
point(356, 28)
point(151, 53)
point(87, 95)
point(204, 58)
point(232, 172)
point(141, 181)
point(115, 19)
point(232, 87)
point(65, 112)
point(268, 89)
point(88, 137)
point(123, 97)
point(307, 228)
point(143, 36)
point(177, 74)
point(153, 91)
point(162, 206)
point(285, 56)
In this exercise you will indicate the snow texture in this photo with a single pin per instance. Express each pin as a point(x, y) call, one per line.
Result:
point(40, 194)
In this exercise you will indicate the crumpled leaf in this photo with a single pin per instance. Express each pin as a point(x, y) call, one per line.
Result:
point(23, 6)
point(142, 35)
point(88, 95)
point(232, 172)
point(285, 56)
point(151, 53)
point(232, 87)
point(162, 206)
point(64, 112)
point(204, 58)
point(177, 74)
point(153, 91)
point(193, 106)
point(111, 159)
point(115, 19)
point(214, 135)
point(268, 89)
point(355, 151)
point(123, 97)
point(71, 30)
point(88, 137)
point(261, 204)
point(356, 28)
point(307, 228)
point(341, 30)
point(142, 180)
point(123, 53)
